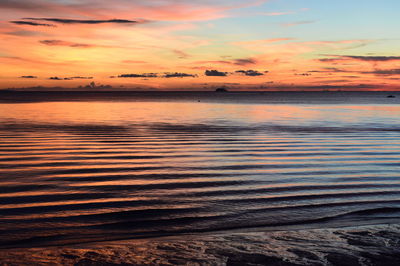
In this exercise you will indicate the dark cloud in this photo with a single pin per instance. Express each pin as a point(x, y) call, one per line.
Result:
point(178, 75)
point(387, 72)
point(250, 72)
point(31, 23)
point(79, 77)
point(359, 58)
point(215, 73)
point(70, 78)
point(329, 60)
point(28, 77)
point(84, 21)
point(144, 75)
point(65, 43)
point(373, 58)
point(155, 75)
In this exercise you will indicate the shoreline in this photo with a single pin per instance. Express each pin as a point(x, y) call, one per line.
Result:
point(352, 245)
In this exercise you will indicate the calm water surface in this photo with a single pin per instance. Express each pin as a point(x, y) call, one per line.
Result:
point(74, 171)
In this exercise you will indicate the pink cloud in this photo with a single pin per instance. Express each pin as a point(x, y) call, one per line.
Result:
point(166, 10)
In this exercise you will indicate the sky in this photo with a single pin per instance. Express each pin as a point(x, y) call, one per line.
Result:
point(200, 44)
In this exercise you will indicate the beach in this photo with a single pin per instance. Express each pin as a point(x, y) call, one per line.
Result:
point(362, 245)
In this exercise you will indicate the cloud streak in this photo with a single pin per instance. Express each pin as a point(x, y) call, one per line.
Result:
point(69, 78)
point(237, 62)
point(31, 23)
point(84, 21)
point(181, 54)
point(79, 77)
point(144, 75)
point(25, 5)
point(384, 72)
point(373, 59)
point(65, 43)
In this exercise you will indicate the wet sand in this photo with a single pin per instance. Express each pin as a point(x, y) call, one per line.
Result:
point(363, 245)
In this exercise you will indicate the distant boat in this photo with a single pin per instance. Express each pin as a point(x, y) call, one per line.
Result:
point(390, 96)
point(221, 90)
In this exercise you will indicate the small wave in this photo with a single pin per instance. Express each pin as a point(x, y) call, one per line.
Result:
point(187, 128)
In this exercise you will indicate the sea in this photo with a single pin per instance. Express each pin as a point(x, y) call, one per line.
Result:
point(82, 167)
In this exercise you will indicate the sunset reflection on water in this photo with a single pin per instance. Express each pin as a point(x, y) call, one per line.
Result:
point(111, 169)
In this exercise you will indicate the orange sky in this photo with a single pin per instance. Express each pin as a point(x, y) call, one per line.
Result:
point(170, 44)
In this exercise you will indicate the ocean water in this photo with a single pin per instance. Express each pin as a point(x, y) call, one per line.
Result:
point(80, 169)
